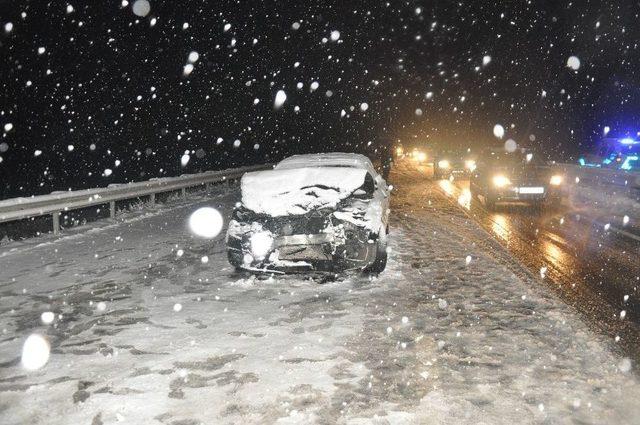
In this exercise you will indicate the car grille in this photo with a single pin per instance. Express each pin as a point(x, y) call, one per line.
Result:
point(297, 225)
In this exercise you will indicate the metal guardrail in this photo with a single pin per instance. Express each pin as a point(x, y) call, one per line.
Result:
point(55, 203)
point(603, 176)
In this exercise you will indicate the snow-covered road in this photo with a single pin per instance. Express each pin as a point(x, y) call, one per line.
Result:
point(454, 331)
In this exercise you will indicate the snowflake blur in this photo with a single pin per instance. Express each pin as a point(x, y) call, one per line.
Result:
point(35, 352)
point(206, 222)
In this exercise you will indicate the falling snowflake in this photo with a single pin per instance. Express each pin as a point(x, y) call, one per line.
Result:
point(206, 222)
point(281, 97)
point(498, 131)
point(47, 317)
point(184, 160)
point(510, 145)
point(543, 272)
point(193, 57)
point(141, 8)
point(35, 352)
point(573, 62)
point(625, 365)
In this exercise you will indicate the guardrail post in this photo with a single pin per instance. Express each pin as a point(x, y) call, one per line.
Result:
point(184, 192)
point(112, 209)
point(152, 199)
point(56, 222)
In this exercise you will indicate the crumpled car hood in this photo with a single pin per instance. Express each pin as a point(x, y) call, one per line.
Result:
point(298, 191)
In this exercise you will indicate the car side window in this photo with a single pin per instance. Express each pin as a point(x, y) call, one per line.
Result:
point(369, 186)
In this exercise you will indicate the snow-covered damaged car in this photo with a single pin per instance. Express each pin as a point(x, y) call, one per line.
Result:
point(320, 212)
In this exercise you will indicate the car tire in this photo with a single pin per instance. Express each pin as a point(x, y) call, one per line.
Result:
point(380, 263)
point(235, 259)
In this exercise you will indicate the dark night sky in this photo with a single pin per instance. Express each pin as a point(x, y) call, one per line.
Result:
point(111, 84)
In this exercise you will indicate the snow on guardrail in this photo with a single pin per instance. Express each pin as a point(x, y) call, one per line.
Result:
point(57, 202)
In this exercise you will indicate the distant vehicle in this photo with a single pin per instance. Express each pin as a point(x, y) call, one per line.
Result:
point(320, 212)
point(419, 156)
point(613, 153)
point(453, 162)
point(521, 177)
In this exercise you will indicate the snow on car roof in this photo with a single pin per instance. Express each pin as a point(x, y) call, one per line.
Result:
point(333, 159)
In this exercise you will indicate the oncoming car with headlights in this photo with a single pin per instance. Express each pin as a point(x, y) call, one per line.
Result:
point(518, 177)
point(453, 162)
point(320, 212)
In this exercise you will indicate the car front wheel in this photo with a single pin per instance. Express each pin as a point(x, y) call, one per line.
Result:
point(380, 263)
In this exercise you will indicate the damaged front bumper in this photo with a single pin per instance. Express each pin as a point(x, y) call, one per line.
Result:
point(270, 245)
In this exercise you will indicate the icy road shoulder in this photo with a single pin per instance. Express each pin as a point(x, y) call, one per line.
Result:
point(152, 326)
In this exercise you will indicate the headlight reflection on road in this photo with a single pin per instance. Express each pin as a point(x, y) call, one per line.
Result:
point(448, 187)
point(500, 226)
point(464, 199)
point(554, 255)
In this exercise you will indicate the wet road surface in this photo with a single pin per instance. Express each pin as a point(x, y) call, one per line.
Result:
point(592, 266)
